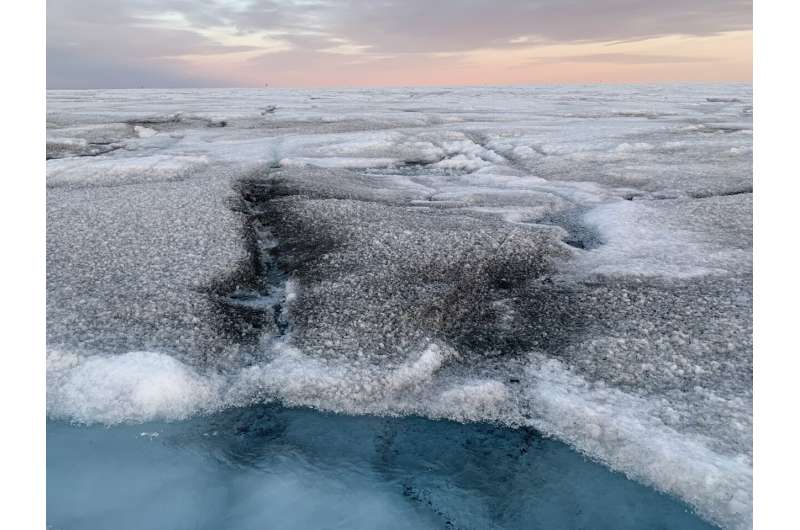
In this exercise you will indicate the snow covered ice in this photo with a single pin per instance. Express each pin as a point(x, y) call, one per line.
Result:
point(575, 260)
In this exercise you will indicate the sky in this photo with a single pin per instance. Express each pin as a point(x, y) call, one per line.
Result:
point(321, 43)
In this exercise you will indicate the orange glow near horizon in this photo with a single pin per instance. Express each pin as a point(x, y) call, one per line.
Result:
point(726, 57)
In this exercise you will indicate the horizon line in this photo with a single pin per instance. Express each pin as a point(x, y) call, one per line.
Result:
point(383, 87)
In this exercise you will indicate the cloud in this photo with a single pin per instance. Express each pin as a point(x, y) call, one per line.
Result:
point(67, 69)
point(453, 25)
point(98, 44)
point(621, 58)
point(163, 42)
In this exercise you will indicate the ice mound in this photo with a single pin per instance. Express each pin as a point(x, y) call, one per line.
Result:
point(115, 170)
point(449, 150)
point(136, 386)
point(580, 266)
point(137, 267)
point(86, 140)
point(146, 386)
point(665, 239)
point(389, 278)
point(144, 132)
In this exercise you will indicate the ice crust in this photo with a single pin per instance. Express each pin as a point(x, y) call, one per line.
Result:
point(576, 259)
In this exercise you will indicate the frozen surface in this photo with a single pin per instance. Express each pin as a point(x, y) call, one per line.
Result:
point(267, 467)
point(574, 260)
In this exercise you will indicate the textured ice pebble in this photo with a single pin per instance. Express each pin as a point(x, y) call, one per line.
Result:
point(132, 267)
point(684, 343)
point(378, 278)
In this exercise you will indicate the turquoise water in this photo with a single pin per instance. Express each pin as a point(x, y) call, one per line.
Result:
point(270, 467)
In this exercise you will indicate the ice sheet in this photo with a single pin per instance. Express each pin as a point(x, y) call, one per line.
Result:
point(575, 259)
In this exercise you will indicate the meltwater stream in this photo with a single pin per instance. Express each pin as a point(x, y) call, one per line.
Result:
point(279, 468)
